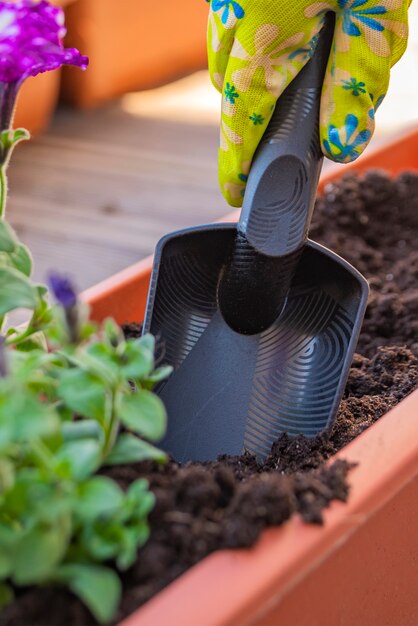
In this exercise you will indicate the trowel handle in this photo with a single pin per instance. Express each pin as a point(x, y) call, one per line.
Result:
point(283, 180)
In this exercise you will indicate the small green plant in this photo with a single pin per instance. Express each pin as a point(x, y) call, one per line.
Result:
point(75, 396)
point(64, 414)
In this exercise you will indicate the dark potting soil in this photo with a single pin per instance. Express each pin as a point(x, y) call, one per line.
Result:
point(373, 223)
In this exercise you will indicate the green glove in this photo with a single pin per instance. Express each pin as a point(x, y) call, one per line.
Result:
point(257, 47)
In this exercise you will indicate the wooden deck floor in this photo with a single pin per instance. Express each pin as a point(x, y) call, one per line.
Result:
point(96, 192)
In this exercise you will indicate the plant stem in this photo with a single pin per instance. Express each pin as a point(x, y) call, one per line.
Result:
point(112, 427)
point(3, 191)
point(14, 340)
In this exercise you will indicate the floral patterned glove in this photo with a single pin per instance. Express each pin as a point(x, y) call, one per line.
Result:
point(257, 47)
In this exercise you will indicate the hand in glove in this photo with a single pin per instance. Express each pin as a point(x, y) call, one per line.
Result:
point(257, 47)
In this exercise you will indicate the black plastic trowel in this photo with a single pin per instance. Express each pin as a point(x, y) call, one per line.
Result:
point(259, 323)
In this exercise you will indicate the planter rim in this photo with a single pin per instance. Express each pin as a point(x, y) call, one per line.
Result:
point(249, 582)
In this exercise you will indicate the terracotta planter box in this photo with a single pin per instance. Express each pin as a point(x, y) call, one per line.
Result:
point(37, 101)
point(361, 567)
point(132, 45)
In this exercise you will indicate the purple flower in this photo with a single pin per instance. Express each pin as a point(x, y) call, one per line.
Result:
point(63, 290)
point(66, 295)
point(31, 36)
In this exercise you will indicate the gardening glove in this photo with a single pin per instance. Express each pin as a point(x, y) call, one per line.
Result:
point(257, 47)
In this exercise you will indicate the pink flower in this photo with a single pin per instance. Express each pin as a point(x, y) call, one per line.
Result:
point(31, 36)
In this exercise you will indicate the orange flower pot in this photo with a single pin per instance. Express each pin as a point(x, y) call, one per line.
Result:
point(361, 567)
point(37, 101)
point(132, 45)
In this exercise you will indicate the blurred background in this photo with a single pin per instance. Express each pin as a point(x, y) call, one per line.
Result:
point(127, 150)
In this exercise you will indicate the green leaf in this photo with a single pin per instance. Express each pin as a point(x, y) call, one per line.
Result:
point(9, 138)
point(144, 413)
point(35, 341)
point(7, 475)
point(138, 358)
point(112, 332)
point(67, 416)
point(6, 563)
point(23, 417)
point(8, 240)
point(39, 552)
point(101, 541)
point(29, 366)
point(144, 498)
point(42, 290)
point(82, 429)
point(104, 355)
point(8, 540)
point(83, 392)
point(6, 595)
point(32, 419)
point(82, 458)
point(15, 291)
point(88, 328)
point(100, 496)
point(54, 506)
point(132, 538)
point(130, 449)
point(147, 342)
point(98, 363)
point(20, 134)
point(57, 330)
point(43, 314)
point(21, 260)
point(98, 587)
point(6, 430)
point(160, 374)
